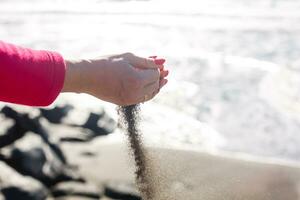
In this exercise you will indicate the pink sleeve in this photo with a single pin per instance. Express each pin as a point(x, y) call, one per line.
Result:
point(30, 77)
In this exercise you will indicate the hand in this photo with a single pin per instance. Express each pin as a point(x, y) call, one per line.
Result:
point(124, 79)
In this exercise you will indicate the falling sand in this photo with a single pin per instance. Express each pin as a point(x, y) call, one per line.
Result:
point(150, 179)
point(130, 118)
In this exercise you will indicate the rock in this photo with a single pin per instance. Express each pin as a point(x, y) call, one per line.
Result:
point(32, 161)
point(6, 124)
point(77, 189)
point(96, 124)
point(31, 157)
point(124, 191)
point(78, 125)
point(23, 124)
point(88, 154)
point(10, 129)
point(100, 124)
point(17, 187)
point(56, 114)
point(74, 198)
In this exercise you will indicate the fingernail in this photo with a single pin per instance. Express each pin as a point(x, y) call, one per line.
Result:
point(167, 72)
point(153, 57)
point(159, 61)
point(165, 82)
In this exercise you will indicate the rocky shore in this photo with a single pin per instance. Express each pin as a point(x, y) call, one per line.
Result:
point(70, 152)
point(34, 164)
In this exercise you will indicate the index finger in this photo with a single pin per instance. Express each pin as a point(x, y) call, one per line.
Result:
point(144, 63)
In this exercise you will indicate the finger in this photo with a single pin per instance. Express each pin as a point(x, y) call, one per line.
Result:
point(154, 93)
point(139, 62)
point(150, 92)
point(161, 67)
point(162, 83)
point(151, 88)
point(146, 63)
point(164, 74)
point(159, 61)
point(149, 75)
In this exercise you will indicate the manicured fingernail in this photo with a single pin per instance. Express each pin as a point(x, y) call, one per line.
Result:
point(159, 61)
point(167, 72)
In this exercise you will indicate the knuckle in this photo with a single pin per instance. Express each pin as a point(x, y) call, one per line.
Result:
point(151, 62)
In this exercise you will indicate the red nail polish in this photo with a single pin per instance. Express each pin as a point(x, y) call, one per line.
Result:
point(159, 61)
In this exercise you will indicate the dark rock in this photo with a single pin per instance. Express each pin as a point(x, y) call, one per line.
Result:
point(82, 126)
point(78, 135)
point(97, 124)
point(12, 133)
point(74, 198)
point(6, 124)
point(77, 189)
point(124, 191)
point(23, 124)
point(18, 193)
point(20, 119)
point(56, 114)
point(88, 154)
point(39, 162)
point(100, 124)
point(17, 187)
point(32, 161)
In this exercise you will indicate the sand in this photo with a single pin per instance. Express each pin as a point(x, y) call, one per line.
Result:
point(192, 175)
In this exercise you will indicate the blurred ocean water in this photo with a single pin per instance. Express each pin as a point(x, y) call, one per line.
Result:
point(235, 63)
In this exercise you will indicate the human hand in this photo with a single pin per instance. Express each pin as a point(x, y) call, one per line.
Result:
point(123, 79)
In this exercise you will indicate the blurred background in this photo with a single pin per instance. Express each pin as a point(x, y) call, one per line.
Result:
point(234, 64)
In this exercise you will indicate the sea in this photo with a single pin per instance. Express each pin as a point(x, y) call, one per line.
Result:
point(234, 83)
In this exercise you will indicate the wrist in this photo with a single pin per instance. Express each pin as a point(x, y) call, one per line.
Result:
point(73, 78)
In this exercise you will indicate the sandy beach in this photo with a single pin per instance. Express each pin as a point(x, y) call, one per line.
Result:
point(192, 175)
point(177, 174)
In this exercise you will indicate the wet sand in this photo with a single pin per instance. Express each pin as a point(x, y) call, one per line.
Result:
point(192, 175)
